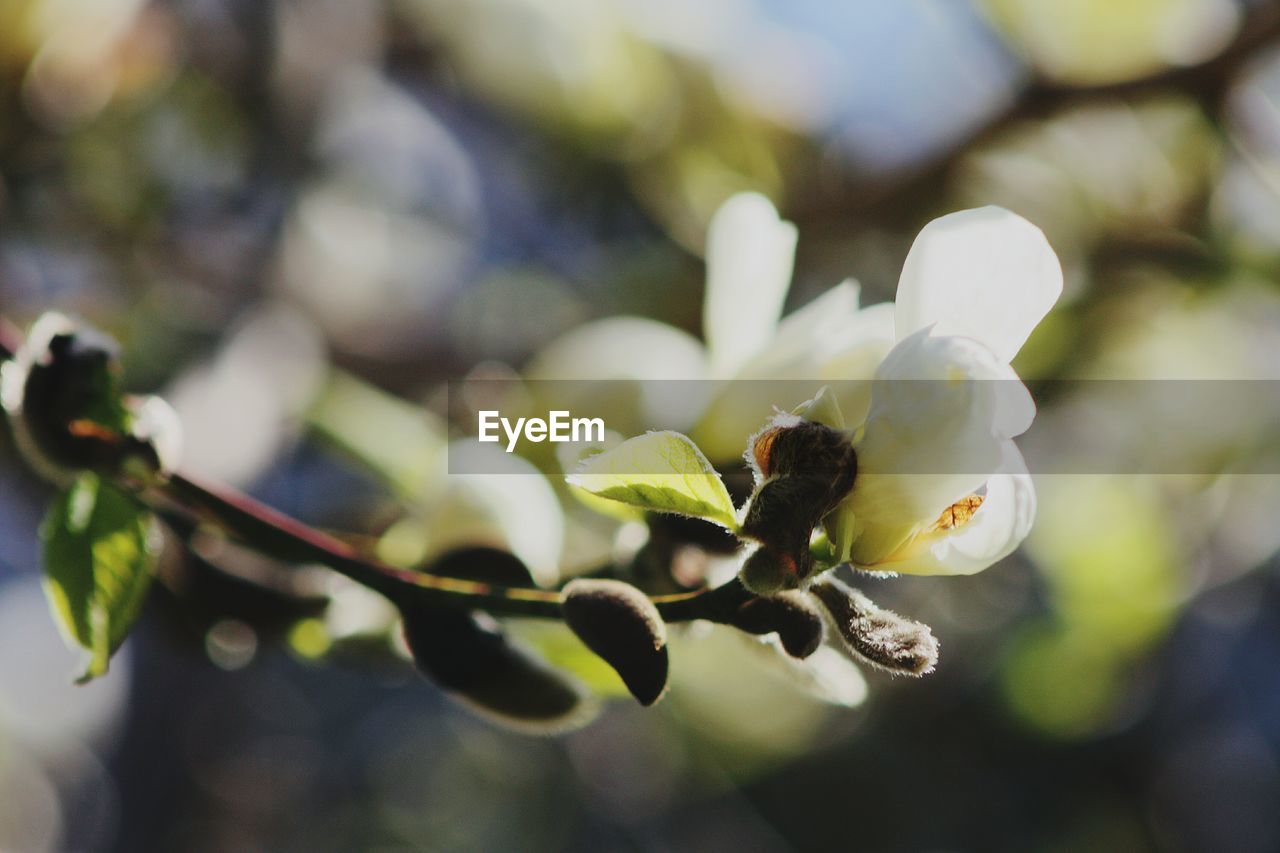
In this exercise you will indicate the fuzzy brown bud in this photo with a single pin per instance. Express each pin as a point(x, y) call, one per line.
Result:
point(879, 637)
point(470, 657)
point(803, 469)
point(790, 445)
point(793, 616)
point(620, 624)
point(483, 564)
point(768, 570)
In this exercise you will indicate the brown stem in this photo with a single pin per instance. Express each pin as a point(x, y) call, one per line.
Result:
point(279, 536)
point(272, 533)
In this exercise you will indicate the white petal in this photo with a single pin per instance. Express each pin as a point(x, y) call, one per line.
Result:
point(828, 341)
point(985, 273)
point(851, 359)
point(994, 532)
point(941, 411)
point(617, 348)
point(963, 378)
point(794, 350)
point(842, 351)
point(1013, 406)
point(826, 313)
point(621, 348)
point(750, 254)
point(824, 409)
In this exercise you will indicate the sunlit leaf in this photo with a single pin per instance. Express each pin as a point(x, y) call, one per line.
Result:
point(99, 548)
point(661, 472)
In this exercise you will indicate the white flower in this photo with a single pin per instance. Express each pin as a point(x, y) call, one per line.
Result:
point(750, 254)
point(750, 251)
point(941, 488)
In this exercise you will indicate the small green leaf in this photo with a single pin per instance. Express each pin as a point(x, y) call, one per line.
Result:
point(661, 472)
point(99, 548)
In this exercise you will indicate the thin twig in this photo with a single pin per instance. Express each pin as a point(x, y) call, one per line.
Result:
point(274, 534)
point(277, 535)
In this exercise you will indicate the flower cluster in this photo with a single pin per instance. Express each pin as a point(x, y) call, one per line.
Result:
point(903, 461)
point(941, 487)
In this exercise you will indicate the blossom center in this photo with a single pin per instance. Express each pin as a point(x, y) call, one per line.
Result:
point(956, 515)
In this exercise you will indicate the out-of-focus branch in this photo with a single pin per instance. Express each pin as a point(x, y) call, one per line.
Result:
point(902, 193)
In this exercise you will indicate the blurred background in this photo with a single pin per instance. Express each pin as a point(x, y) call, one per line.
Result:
point(301, 218)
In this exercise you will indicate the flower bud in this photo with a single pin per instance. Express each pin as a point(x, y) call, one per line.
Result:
point(483, 564)
point(769, 570)
point(620, 624)
point(783, 507)
point(793, 616)
point(879, 637)
point(62, 394)
point(470, 657)
point(803, 469)
point(791, 445)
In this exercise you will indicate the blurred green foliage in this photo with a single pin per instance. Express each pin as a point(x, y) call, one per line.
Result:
point(311, 215)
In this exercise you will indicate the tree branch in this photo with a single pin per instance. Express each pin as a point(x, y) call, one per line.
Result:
point(281, 537)
point(883, 199)
point(274, 534)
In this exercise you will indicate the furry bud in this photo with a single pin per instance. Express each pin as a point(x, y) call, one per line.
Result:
point(470, 657)
point(790, 445)
point(803, 469)
point(770, 570)
point(879, 637)
point(793, 616)
point(62, 394)
point(483, 564)
point(620, 624)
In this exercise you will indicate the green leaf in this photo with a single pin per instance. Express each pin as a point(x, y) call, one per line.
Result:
point(660, 472)
point(99, 549)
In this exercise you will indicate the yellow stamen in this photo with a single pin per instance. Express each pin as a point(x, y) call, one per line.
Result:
point(957, 514)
